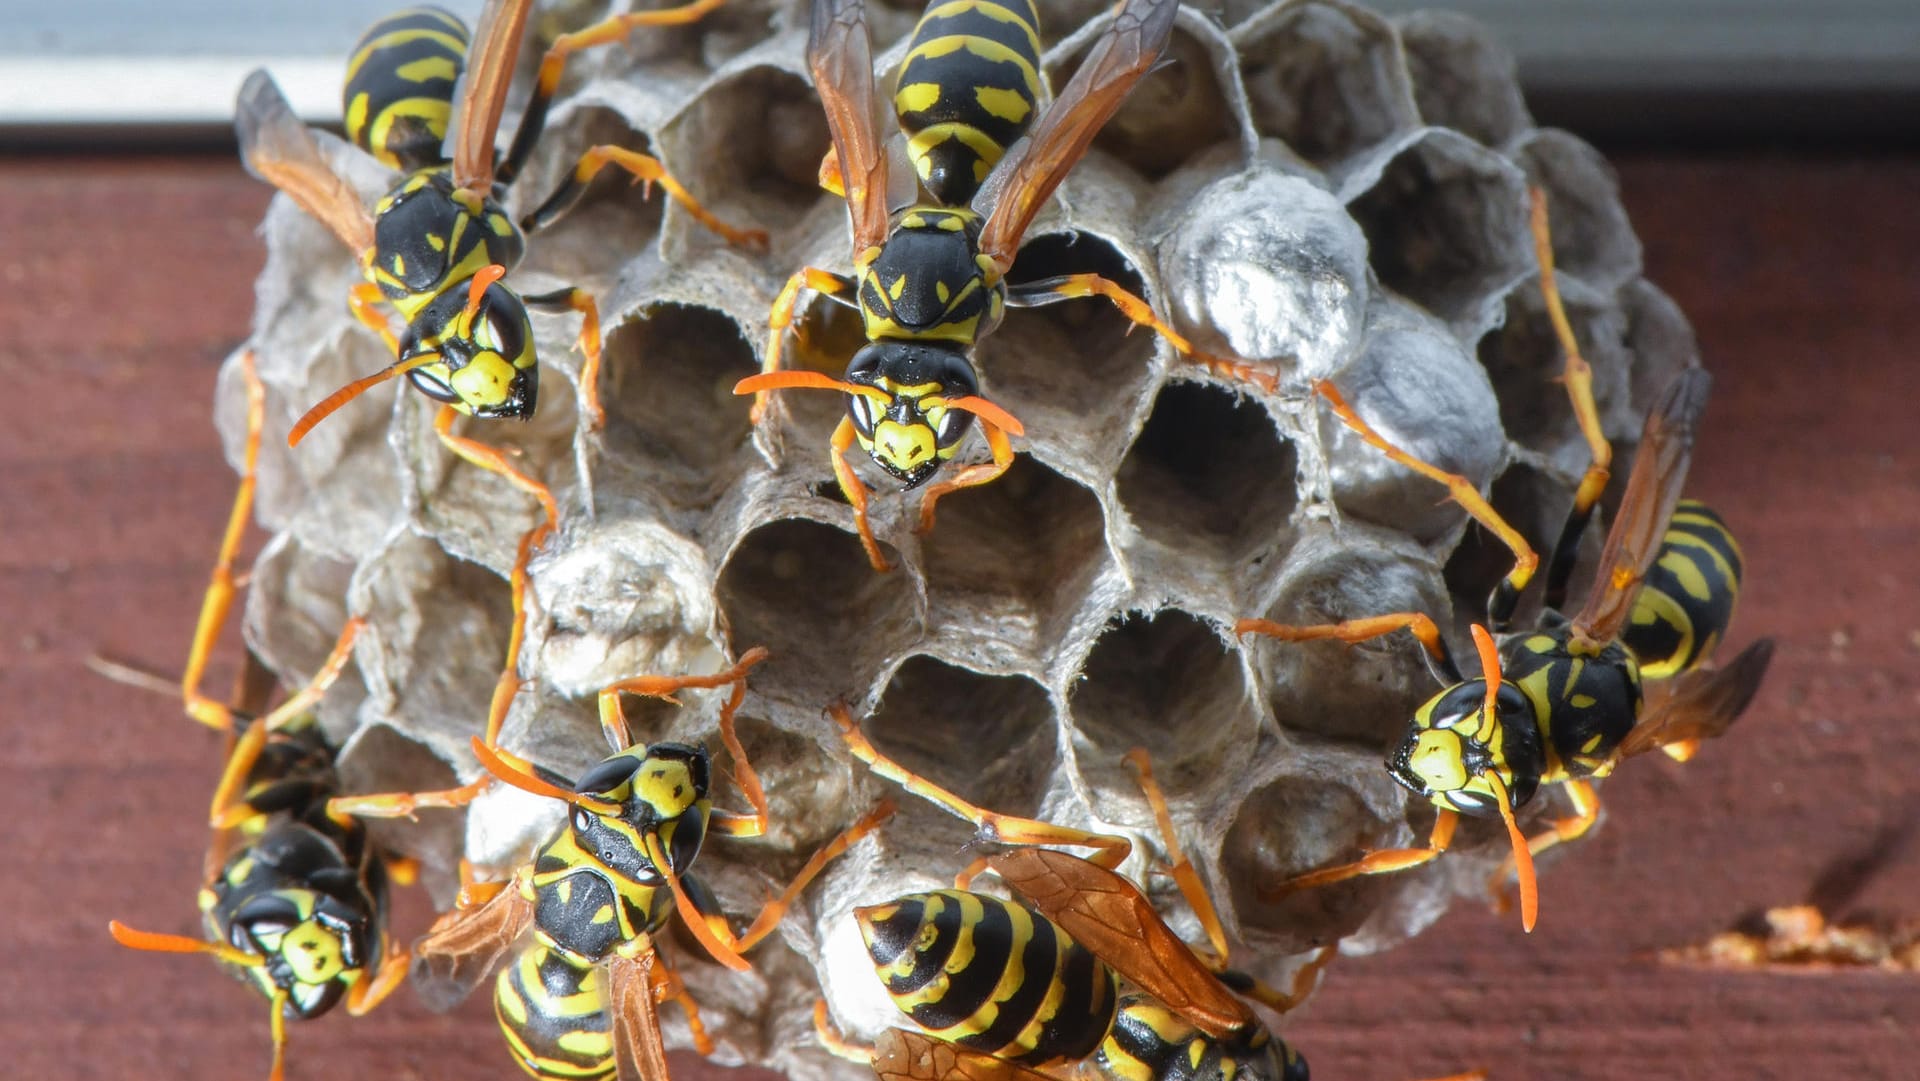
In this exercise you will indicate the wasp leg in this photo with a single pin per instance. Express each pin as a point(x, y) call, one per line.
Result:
point(474, 894)
point(403, 870)
point(780, 317)
point(971, 476)
point(1384, 861)
point(667, 987)
point(856, 493)
point(1579, 381)
point(1421, 626)
point(371, 989)
point(404, 804)
point(1505, 595)
point(964, 880)
point(613, 721)
point(647, 171)
point(217, 602)
point(588, 343)
point(1586, 811)
point(493, 460)
point(1074, 286)
point(554, 63)
point(835, 1043)
point(1109, 850)
point(774, 911)
point(745, 777)
point(364, 301)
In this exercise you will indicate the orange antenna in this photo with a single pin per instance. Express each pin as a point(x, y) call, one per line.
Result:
point(158, 943)
point(689, 915)
point(482, 281)
point(987, 411)
point(783, 380)
point(338, 398)
point(515, 771)
point(1522, 852)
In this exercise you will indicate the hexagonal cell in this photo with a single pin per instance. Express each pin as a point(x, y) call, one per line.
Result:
point(1174, 113)
point(1524, 360)
point(1295, 824)
point(380, 759)
point(1659, 340)
point(807, 804)
point(610, 213)
point(1446, 225)
point(1055, 365)
point(804, 591)
point(1165, 682)
point(667, 387)
point(1592, 239)
point(753, 140)
point(295, 634)
point(1361, 694)
point(1462, 78)
point(1533, 502)
point(1268, 267)
point(1419, 389)
point(1210, 478)
point(1325, 78)
point(990, 739)
point(1013, 559)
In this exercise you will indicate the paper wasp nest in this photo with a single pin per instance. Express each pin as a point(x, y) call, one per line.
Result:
point(1313, 188)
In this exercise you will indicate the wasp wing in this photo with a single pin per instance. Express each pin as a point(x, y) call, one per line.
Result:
point(483, 92)
point(638, 1052)
point(901, 1055)
point(1659, 472)
point(840, 55)
point(1107, 914)
point(1126, 52)
point(465, 944)
point(280, 150)
point(1702, 704)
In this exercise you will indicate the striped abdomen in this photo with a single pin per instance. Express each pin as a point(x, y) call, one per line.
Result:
point(1152, 1043)
point(990, 975)
point(553, 1011)
point(1687, 600)
point(968, 90)
point(398, 97)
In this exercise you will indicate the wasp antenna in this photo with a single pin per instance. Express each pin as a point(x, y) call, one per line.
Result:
point(326, 406)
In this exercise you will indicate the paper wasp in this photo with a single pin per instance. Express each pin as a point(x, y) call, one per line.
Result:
point(1030, 989)
point(579, 997)
point(1564, 703)
point(929, 274)
point(435, 247)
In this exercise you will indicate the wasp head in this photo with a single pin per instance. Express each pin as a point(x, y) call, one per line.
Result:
point(1452, 748)
point(910, 429)
point(487, 364)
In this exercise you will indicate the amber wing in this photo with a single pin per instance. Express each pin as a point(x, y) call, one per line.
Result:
point(638, 1052)
point(483, 92)
point(1703, 704)
point(841, 58)
point(902, 1055)
point(464, 946)
point(280, 150)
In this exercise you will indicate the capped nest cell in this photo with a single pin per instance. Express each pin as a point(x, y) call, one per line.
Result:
point(1343, 197)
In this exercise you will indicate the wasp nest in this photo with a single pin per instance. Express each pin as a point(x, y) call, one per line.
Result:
point(1315, 189)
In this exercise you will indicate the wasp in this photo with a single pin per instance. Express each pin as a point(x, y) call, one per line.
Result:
point(578, 998)
point(435, 246)
point(1564, 703)
point(929, 274)
point(296, 894)
point(1027, 989)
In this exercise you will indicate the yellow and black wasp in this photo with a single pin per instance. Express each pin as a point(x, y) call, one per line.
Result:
point(1021, 990)
point(929, 274)
point(435, 247)
point(1564, 703)
point(296, 894)
point(578, 999)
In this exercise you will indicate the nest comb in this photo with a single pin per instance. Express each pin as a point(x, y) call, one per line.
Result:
point(1313, 188)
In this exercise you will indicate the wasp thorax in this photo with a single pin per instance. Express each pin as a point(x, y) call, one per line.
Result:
point(927, 274)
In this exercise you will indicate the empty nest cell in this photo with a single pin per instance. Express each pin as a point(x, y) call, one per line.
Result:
point(1592, 240)
point(666, 384)
point(1462, 79)
point(1210, 477)
point(804, 591)
point(1008, 562)
point(1292, 825)
point(1167, 683)
point(991, 739)
point(1326, 79)
point(1173, 114)
point(753, 140)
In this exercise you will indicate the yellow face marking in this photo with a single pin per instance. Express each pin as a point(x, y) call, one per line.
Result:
point(1439, 759)
point(903, 445)
point(666, 786)
point(484, 381)
point(312, 954)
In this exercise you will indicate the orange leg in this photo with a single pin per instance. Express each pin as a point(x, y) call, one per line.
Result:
point(980, 473)
point(1109, 850)
point(647, 171)
point(588, 343)
point(493, 460)
point(1360, 630)
point(365, 301)
point(1507, 594)
point(613, 721)
point(372, 988)
point(832, 1039)
point(216, 604)
point(404, 804)
point(775, 910)
point(1384, 861)
point(780, 317)
point(1073, 286)
point(856, 493)
point(667, 987)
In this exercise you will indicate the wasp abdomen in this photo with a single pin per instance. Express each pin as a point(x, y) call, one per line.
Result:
point(398, 98)
point(969, 89)
point(1149, 1042)
point(553, 1012)
point(1686, 603)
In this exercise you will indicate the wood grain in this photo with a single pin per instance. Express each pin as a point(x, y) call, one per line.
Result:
point(126, 281)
